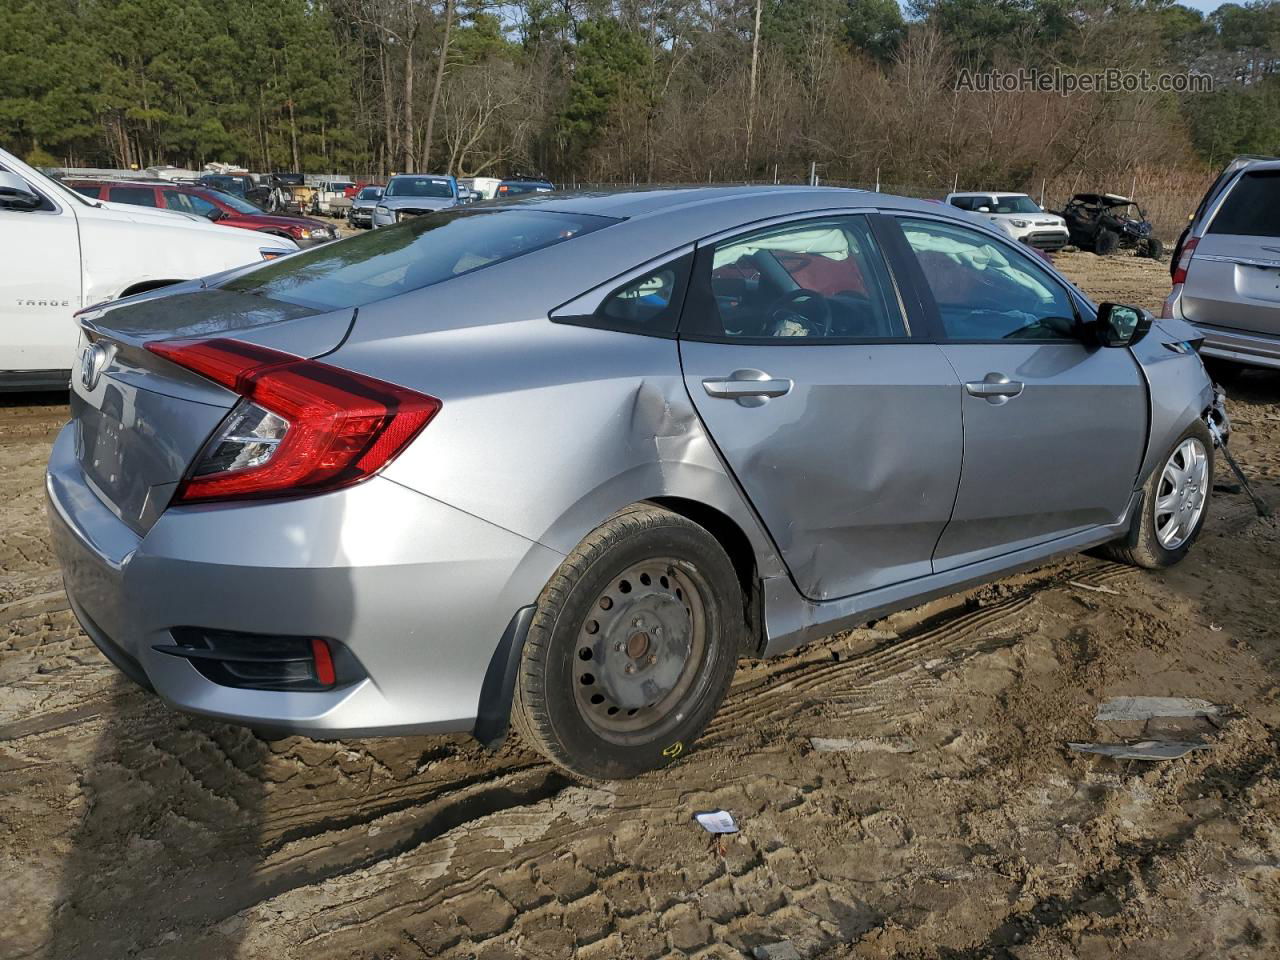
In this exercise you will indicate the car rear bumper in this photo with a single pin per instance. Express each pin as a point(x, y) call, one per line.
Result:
point(1257, 349)
point(418, 592)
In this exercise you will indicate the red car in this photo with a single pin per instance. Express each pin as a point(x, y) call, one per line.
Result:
point(222, 208)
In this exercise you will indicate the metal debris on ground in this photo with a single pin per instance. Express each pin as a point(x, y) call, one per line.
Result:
point(863, 744)
point(782, 950)
point(1122, 709)
point(1144, 750)
point(717, 821)
point(1087, 586)
point(1220, 442)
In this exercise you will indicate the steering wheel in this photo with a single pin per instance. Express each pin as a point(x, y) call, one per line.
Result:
point(789, 308)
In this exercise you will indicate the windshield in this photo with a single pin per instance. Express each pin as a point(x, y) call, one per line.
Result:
point(226, 184)
point(419, 187)
point(412, 255)
point(370, 193)
point(238, 204)
point(57, 184)
point(1016, 205)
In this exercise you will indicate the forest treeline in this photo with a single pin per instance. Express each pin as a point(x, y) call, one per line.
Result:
point(671, 91)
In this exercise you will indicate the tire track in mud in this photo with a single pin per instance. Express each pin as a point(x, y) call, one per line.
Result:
point(947, 636)
point(789, 688)
point(1124, 870)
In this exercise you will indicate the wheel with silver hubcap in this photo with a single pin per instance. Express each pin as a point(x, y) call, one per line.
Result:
point(632, 646)
point(1175, 502)
point(1181, 493)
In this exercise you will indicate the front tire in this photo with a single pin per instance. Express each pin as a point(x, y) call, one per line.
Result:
point(632, 646)
point(1175, 503)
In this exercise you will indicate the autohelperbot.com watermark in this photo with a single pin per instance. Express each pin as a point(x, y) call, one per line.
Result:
point(1067, 82)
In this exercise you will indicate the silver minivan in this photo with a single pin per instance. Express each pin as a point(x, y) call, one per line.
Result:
point(1226, 270)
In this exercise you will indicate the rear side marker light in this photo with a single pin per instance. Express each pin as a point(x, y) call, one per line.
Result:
point(301, 427)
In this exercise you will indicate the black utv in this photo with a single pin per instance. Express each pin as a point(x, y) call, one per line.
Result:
point(1105, 222)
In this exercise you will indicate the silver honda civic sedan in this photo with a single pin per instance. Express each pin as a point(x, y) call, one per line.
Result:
point(563, 461)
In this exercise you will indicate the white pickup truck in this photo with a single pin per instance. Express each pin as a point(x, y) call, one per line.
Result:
point(60, 251)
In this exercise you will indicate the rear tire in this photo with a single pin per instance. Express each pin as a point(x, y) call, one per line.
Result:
point(1154, 248)
point(1106, 243)
point(1150, 542)
point(632, 646)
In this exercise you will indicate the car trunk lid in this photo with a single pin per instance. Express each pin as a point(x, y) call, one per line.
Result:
point(1234, 281)
point(141, 420)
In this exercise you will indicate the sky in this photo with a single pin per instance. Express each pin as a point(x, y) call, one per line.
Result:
point(1204, 6)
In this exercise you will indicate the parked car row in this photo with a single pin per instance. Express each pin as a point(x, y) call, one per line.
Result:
point(216, 206)
point(409, 195)
point(63, 251)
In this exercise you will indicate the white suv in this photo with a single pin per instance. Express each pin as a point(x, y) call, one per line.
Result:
point(1019, 215)
point(60, 251)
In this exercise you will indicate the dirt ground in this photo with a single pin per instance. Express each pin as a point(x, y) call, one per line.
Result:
point(954, 823)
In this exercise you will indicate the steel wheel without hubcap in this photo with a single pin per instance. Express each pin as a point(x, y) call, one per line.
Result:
point(1181, 493)
point(640, 650)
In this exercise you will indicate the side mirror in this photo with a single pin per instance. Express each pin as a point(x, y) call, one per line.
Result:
point(1121, 326)
point(16, 195)
point(214, 215)
point(984, 209)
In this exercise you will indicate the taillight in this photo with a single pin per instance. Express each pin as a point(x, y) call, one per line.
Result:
point(301, 427)
point(1184, 260)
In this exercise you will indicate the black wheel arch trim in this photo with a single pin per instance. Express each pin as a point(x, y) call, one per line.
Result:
point(493, 714)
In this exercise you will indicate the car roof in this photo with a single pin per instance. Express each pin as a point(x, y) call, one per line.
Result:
point(668, 217)
point(986, 193)
point(1102, 198)
point(643, 202)
point(110, 182)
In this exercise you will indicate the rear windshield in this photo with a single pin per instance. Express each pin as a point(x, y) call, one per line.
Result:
point(419, 187)
point(1252, 208)
point(417, 253)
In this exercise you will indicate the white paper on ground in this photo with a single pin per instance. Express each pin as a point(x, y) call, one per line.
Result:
point(717, 821)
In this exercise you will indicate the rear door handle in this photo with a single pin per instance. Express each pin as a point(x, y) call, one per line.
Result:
point(751, 388)
point(995, 388)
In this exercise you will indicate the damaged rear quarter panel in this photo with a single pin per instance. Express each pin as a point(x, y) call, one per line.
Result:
point(584, 421)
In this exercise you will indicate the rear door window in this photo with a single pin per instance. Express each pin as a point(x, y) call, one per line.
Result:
point(138, 196)
point(417, 253)
point(816, 279)
point(1252, 208)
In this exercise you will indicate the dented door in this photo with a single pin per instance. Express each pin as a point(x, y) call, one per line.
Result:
point(854, 471)
point(844, 434)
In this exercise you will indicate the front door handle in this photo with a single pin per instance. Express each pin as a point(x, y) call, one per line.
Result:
point(751, 388)
point(995, 388)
